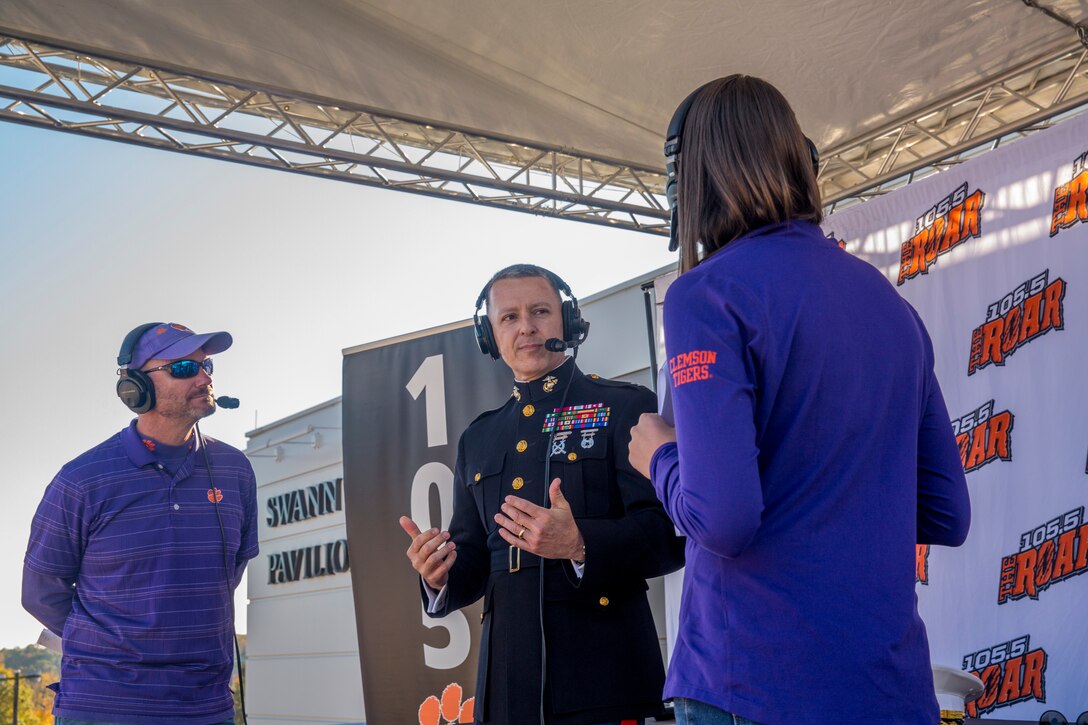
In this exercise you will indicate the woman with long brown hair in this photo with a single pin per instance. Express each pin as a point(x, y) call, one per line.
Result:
point(812, 449)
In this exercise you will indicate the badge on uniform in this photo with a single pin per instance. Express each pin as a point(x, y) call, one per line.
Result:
point(550, 383)
point(577, 417)
point(516, 393)
point(559, 443)
point(587, 438)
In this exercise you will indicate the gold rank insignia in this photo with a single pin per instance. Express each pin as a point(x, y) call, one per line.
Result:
point(522, 445)
point(516, 393)
point(550, 383)
point(528, 410)
point(518, 483)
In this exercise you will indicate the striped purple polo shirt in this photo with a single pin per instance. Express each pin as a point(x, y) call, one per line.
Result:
point(147, 626)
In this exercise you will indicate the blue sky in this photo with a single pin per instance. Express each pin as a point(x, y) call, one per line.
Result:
point(97, 237)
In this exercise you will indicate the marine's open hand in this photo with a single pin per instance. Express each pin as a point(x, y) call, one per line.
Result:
point(550, 533)
point(432, 553)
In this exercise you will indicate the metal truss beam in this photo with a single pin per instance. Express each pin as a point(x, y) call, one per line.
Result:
point(1029, 98)
point(51, 87)
point(78, 92)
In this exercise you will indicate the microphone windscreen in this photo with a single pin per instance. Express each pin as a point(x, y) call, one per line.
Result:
point(554, 344)
point(224, 401)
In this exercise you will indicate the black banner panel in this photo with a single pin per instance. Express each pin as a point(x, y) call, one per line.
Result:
point(405, 405)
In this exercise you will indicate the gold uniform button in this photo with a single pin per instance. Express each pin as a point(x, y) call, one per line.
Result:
point(522, 445)
point(604, 601)
point(476, 477)
point(572, 456)
point(595, 376)
point(528, 410)
point(518, 483)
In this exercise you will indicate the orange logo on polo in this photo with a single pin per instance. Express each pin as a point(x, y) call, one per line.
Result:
point(1071, 198)
point(946, 225)
point(1031, 309)
point(215, 497)
point(688, 367)
point(983, 436)
point(1050, 553)
point(1011, 672)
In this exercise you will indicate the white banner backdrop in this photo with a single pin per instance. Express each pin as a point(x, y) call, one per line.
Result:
point(993, 253)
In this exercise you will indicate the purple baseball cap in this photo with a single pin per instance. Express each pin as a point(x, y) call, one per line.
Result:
point(171, 341)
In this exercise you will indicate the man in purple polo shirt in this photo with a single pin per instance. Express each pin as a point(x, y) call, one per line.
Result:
point(139, 543)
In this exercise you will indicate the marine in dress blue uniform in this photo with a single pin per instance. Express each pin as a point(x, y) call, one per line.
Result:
point(603, 657)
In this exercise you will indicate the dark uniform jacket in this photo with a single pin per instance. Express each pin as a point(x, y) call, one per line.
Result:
point(603, 657)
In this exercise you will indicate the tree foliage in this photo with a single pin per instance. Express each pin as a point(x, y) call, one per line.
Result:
point(35, 699)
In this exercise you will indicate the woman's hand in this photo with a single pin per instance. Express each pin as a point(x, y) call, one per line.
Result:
point(651, 432)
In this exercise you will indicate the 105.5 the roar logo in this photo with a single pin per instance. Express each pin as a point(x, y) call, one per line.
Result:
point(983, 436)
point(1071, 198)
point(1050, 553)
point(921, 564)
point(1028, 311)
point(1011, 672)
point(943, 227)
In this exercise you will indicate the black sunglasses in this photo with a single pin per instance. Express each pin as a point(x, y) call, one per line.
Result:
point(185, 368)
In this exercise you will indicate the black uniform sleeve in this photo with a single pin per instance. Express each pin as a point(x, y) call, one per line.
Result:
point(642, 543)
point(468, 577)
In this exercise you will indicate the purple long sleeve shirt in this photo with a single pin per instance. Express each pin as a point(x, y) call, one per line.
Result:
point(814, 451)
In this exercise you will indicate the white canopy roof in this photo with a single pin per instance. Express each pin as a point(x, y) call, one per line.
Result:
point(597, 77)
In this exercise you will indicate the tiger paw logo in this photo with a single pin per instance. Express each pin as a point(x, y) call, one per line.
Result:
point(1071, 198)
point(983, 437)
point(215, 495)
point(946, 225)
point(1011, 672)
point(1032, 309)
point(449, 709)
point(1050, 553)
point(921, 564)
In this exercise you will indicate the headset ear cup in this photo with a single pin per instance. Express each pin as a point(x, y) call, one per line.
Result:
point(481, 341)
point(814, 155)
point(568, 320)
point(574, 327)
point(485, 338)
point(136, 391)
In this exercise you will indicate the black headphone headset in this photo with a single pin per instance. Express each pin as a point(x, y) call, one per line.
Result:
point(134, 387)
point(575, 328)
point(672, 154)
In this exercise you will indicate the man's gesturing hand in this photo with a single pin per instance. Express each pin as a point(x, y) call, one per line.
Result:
point(431, 553)
point(550, 533)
